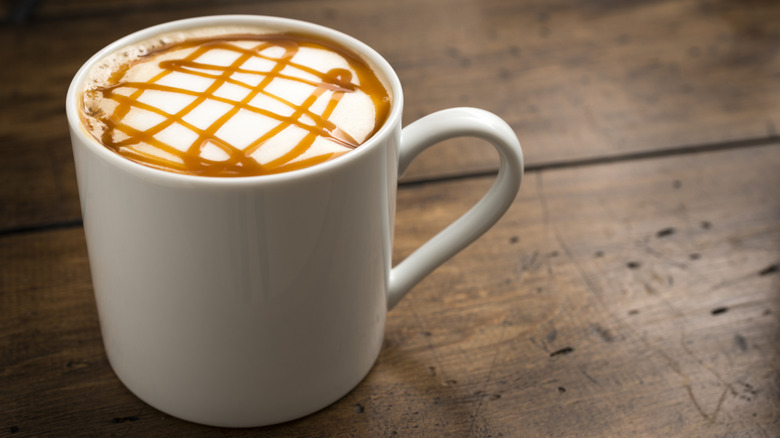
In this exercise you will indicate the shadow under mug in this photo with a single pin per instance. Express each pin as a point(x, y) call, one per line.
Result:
point(251, 301)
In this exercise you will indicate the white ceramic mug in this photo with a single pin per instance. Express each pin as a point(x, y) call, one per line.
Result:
point(252, 301)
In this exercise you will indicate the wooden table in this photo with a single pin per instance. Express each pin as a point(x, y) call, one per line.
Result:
point(633, 289)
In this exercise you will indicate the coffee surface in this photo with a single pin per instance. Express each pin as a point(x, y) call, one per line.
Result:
point(235, 105)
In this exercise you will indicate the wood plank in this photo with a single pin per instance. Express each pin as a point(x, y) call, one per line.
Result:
point(576, 79)
point(625, 299)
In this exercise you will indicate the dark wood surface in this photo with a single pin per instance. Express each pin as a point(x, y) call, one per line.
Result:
point(633, 289)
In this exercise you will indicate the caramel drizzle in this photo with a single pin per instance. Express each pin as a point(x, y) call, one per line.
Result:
point(239, 162)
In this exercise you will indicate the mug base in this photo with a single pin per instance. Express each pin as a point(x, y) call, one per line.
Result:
point(255, 419)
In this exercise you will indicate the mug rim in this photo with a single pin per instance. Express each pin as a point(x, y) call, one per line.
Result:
point(277, 23)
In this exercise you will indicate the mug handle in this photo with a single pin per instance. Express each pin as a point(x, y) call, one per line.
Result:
point(432, 129)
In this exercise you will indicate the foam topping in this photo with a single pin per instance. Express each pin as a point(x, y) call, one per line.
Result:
point(234, 105)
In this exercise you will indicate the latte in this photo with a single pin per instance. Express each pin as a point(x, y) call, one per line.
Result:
point(230, 102)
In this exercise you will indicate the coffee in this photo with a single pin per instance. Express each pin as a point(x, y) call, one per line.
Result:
point(233, 102)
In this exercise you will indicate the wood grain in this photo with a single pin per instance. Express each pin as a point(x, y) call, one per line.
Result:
point(578, 80)
point(623, 299)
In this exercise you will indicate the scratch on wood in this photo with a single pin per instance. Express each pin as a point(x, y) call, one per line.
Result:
point(489, 377)
point(695, 402)
point(731, 282)
point(588, 376)
point(430, 345)
point(538, 345)
point(710, 418)
point(589, 283)
point(705, 365)
point(531, 264)
point(647, 249)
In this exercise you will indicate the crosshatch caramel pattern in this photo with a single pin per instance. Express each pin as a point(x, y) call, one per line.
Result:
point(145, 146)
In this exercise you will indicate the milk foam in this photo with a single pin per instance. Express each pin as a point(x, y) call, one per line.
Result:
point(277, 105)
